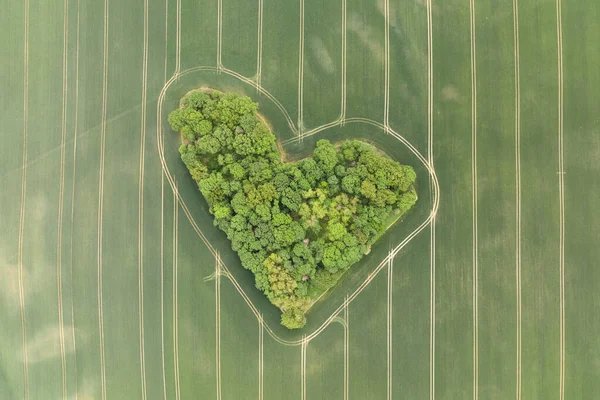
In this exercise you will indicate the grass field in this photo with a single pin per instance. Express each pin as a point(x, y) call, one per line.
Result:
point(115, 285)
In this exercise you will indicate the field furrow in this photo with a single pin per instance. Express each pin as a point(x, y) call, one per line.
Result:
point(281, 383)
point(455, 372)
point(368, 342)
point(43, 186)
point(540, 272)
point(577, 164)
point(195, 317)
point(280, 52)
point(199, 39)
point(366, 60)
point(496, 205)
point(325, 364)
point(84, 198)
point(122, 330)
point(407, 106)
point(239, 349)
point(12, 382)
point(411, 357)
point(240, 39)
point(323, 70)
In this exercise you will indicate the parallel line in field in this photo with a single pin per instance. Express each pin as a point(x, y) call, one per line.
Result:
point(316, 130)
point(432, 230)
point(175, 292)
point(170, 178)
point(342, 117)
point(386, 95)
point(101, 200)
point(261, 333)
point(561, 185)
point(219, 34)
point(22, 201)
point(162, 284)
point(301, 73)
point(166, 37)
point(339, 120)
point(518, 189)
point(432, 311)
point(218, 323)
point(178, 39)
point(344, 40)
point(199, 232)
point(141, 206)
point(259, 45)
point(474, 199)
point(346, 349)
point(390, 289)
point(429, 83)
point(303, 347)
point(61, 190)
point(73, 177)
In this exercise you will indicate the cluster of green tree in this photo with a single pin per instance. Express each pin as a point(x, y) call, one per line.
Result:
point(297, 226)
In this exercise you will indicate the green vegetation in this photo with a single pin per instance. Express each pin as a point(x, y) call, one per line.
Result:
point(102, 289)
point(298, 227)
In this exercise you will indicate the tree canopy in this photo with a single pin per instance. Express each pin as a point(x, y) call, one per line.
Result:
point(297, 226)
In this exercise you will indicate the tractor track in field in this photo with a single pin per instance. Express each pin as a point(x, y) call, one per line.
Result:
point(101, 200)
point(430, 158)
point(219, 35)
point(255, 311)
point(344, 45)
point(390, 288)
point(346, 350)
point(178, 39)
point(166, 38)
point(386, 64)
point(344, 321)
point(304, 345)
point(218, 272)
point(301, 73)
point(259, 46)
point(299, 132)
point(175, 292)
point(518, 192)
point(252, 83)
point(162, 280)
point(61, 190)
point(141, 205)
point(72, 221)
point(561, 183)
point(20, 276)
point(474, 201)
point(261, 351)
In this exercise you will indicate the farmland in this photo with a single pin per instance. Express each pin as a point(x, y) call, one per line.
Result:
point(116, 285)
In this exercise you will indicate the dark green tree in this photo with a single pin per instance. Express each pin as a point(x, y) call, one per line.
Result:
point(298, 227)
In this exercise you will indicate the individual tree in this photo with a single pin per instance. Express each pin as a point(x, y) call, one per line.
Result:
point(293, 318)
point(326, 155)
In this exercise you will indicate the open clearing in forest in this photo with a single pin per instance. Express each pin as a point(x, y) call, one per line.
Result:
point(115, 284)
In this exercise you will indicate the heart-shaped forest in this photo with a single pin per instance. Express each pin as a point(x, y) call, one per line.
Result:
point(297, 226)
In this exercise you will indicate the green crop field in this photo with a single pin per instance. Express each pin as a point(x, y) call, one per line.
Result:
point(114, 283)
